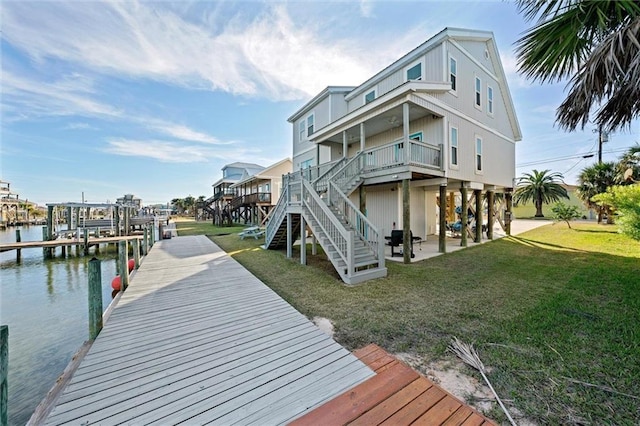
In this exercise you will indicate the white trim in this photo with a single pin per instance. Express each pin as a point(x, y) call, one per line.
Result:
point(406, 69)
point(490, 101)
point(448, 77)
point(477, 92)
point(416, 136)
point(481, 153)
point(312, 115)
point(474, 60)
point(471, 120)
point(453, 166)
point(375, 95)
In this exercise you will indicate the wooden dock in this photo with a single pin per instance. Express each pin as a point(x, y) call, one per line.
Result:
point(197, 339)
point(66, 242)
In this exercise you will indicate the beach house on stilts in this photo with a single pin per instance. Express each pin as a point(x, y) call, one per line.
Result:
point(433, 129)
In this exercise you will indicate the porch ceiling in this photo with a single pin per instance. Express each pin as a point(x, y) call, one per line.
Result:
point(387, 120)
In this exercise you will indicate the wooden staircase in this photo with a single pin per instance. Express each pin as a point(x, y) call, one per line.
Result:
point(396, 395)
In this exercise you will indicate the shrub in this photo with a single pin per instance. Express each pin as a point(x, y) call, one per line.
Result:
point(566, 213)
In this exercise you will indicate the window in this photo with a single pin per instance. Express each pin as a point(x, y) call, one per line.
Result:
point(310, 125)
point(478, 89)
point(453, 139)
point(306, 164)
point(369, 97)
point(453, 72)
point(415, 72)
point(478, 154)
point(490, 99)
point(416, 136)
point(301, 126)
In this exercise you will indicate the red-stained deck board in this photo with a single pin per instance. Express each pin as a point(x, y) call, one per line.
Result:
point(397, 395)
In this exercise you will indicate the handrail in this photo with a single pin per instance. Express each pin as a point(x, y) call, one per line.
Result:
point(348, 172)
point(328, 223)
point(364, 228)
point(276, 214)
point(320, 184)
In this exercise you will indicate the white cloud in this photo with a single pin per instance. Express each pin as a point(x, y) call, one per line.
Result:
point(70, 95)
point(264, 55)
point(510, 65)
point(366, 8)
point(166, 152)
point(185, 133)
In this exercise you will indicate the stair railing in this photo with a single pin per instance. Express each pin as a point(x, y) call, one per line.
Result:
point(362, 226)
point(340, 238)
point(321, 183)
point(277, 213)
point(349, 172)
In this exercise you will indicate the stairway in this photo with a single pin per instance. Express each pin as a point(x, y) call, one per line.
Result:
point(352, 244)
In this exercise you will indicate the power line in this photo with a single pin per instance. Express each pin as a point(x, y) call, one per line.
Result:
point(570, 157)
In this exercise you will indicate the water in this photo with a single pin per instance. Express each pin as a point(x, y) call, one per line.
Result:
point(44, 302)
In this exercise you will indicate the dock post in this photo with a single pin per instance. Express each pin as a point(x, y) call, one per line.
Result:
point(124, 267)
point(145, 241)
point(95, 298)
point(18, 251)
point(4, 375)
point(160, 229)
point(117, 211)
point(86, 241)
point(136, 252)
point(45, 233)
point(152, 236)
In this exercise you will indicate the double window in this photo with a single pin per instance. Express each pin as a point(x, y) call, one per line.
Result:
point(310, 122)
point(453, 140)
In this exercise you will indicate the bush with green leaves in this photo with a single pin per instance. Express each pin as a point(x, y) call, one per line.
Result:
point(626, 201)
point(566, 213)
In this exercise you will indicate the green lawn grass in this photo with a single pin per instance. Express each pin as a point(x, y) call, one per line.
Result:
point(554, 313)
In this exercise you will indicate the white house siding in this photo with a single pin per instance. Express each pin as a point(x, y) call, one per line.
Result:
point(338, 106)
point(382, 206)
point(430, 127)
point(418, 213)
point(464, 99)
point(434, 65)
point(477, 49)
point(431, 212)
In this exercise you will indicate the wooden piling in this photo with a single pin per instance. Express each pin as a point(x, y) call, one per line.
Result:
point(442, 236)
point(145, 241)
point(490, 214)
point(18, 251)
point(136, 252)
point(464, 216)
point(4, 375)
point(45, 233)
point(478, 237)
point(507, 214)
point(124, 267)
point(406, 223)
point(86, 241)
point(95, 298)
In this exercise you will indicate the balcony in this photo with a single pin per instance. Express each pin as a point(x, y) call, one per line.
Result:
point(226, 192)
point(251, 199)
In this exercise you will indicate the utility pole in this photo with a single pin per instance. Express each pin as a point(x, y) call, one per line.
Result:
point(602, 138)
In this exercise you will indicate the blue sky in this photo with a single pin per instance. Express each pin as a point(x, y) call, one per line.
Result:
point(154, 98)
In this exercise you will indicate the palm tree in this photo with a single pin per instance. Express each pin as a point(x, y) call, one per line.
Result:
point(595, 43)
point(628, 170)
point(541, 188)
point(595, 180)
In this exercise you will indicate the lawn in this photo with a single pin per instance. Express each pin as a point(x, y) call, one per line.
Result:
point(554, 313)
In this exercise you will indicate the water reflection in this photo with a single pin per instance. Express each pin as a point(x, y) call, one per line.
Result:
point(44, 302)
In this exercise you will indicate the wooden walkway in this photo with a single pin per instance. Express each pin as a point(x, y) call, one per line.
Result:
point(397, 395)
point(197, 339)
point(66, 242)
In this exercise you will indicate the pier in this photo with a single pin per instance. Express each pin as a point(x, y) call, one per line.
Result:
point(197, 338)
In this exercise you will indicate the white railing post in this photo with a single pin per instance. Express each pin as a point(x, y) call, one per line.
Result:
point(381, 244)
point(350, 254)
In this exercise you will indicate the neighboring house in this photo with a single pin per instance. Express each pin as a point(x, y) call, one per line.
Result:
point(256, 195)
point(219, 205)
point(130, 200)
point(527, 210)
point(388, 154)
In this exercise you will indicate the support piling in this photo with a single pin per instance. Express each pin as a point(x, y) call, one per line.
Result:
point(95, 298)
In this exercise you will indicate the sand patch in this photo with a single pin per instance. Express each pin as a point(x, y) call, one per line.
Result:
point(324, 324)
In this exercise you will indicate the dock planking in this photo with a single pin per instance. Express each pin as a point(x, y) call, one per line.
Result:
point(198, 339)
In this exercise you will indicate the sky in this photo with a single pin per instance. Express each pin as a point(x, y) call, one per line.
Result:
point(101, 99)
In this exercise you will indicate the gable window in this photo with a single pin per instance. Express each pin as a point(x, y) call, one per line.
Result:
point(453, 73)
point(490, 99)
point(415, 72)
point(478, 91)
point(310, 120)
point(369, 97)
point(478, 154)
point(301, 126)
point(453, 139)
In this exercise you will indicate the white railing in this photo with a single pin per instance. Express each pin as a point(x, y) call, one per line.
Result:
point(393, 154)
point(424, 155)
point(277, 214)
point(315, 172)
point(320, 184)
point(348, 173)
point(339, 237)
point(362, 226)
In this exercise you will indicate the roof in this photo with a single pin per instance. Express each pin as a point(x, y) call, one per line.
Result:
point(264, 174)
point(320, 96)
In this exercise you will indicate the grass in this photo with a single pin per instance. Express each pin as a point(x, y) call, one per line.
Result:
point(554, 313)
